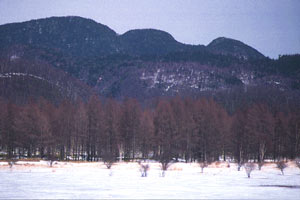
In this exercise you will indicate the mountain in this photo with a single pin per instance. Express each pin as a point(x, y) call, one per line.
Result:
point(227, 46)
point(143, 64)
point(149, 42)
point(73, 35)
point(86, 38)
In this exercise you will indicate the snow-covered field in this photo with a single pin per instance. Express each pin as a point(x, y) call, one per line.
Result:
point(36, 180)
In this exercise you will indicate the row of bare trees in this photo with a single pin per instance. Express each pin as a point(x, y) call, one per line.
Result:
point(170, 129)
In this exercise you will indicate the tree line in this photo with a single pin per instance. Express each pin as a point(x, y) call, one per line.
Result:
point(170, 129)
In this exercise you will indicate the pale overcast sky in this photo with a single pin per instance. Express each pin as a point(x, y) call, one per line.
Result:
point(270, 26)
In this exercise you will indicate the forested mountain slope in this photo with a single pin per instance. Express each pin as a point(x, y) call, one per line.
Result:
point(144, 63)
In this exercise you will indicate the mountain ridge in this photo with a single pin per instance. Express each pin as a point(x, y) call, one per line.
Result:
point(91, 36)
point(143, 63)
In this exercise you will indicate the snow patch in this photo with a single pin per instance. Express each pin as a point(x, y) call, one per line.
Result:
point(9, 75)
point(154, 78)
point(14, 57)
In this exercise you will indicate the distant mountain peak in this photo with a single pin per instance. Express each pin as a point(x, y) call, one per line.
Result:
point(228, 46)
point(220, 40)
point(74, 35)
point(70, 19)
point(149, 41)
point(150, 33)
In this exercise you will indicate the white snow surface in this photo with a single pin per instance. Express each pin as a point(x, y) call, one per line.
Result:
point(67, 180)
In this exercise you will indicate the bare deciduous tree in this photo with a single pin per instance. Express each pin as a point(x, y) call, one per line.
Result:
point(297, 161)
point(240, 164)
point(51, 159)
point(165, 160)
point(260, 164)
point(249, 167)
point(281, 165)
point(164, 166)
point(165, 135)
point(108, 159)
point(144, 169)
point(203, 165)
point(129, 125)
point(239, 136)
point(260, 125)
point(11, 163)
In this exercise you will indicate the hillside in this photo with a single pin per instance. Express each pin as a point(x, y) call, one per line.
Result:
point(22, 79)
point(144, 63)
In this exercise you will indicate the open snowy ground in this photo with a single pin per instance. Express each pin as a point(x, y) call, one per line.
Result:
point(36, 180)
